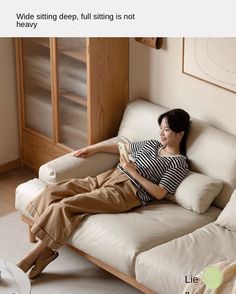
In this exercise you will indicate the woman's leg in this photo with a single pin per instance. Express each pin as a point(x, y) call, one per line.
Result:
point(29, 259)
point(52, 194)
point(57, 223)
point(61, 206)
point(59, 220)
point(38, 257)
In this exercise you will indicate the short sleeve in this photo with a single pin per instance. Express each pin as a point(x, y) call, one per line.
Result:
point(136, 146)
point(174, 175)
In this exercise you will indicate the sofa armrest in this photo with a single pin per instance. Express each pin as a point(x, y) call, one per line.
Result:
point(68, 166)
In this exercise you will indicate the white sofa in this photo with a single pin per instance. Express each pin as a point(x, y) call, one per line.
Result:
point(152, 248)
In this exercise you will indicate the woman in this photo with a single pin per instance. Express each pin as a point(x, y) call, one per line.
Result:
point(157, 169)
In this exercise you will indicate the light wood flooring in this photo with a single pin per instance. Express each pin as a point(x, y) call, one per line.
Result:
point(8, 182)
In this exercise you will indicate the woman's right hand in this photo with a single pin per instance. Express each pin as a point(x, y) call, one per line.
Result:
point(85, 152)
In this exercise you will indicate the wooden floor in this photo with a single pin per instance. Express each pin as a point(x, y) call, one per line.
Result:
point(8, 182)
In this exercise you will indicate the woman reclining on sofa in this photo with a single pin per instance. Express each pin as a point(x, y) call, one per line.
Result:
point(157, 169)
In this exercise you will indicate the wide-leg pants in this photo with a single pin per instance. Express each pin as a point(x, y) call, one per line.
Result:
point(59, 209)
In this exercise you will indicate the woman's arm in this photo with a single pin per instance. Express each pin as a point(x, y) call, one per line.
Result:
point(109, 147)
point(156, 191)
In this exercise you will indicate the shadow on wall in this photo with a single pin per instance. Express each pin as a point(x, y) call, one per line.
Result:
point(141, 75)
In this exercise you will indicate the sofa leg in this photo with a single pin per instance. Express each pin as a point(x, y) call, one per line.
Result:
point(32, 237)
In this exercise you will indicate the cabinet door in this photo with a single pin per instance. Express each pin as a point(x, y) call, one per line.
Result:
point(37, 85)
point(72, 92)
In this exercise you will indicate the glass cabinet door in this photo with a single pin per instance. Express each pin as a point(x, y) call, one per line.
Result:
point(72, 92)
point(37, 85)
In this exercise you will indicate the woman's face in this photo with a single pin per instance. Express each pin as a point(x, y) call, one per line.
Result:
point(167, 136)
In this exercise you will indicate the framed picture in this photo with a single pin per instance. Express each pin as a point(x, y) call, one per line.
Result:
point(212, 60)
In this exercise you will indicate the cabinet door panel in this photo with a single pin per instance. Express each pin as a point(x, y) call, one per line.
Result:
point(72, 92)
point(37, 85)
point(73, 124)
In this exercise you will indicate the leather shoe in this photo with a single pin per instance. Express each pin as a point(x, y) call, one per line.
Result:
point(41, 263)
point(24, 266)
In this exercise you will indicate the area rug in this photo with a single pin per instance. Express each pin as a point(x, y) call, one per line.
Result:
point(68, 274)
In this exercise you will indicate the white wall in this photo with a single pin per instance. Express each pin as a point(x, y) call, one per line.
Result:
point(9, 142)
point(157, 76)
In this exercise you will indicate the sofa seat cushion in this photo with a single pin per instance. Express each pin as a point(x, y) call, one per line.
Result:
point(166, 268)
point(117, 239)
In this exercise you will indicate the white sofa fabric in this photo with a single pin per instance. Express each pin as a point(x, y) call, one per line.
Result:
point(227, 218)
point(132, 233)
point(163, 268)
point(136, 235)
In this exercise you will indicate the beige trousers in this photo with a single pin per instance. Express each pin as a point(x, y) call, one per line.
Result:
point(59, 209)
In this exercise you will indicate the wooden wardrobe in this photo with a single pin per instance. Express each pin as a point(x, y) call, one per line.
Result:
point(72, 93)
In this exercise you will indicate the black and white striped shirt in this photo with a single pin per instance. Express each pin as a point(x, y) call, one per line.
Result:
point(166, 171)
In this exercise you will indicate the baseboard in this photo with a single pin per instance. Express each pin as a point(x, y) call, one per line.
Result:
point(10, 165)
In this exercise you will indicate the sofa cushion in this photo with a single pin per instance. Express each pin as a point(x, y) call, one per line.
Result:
point(196, 192)
point(227, 217)
point(166, 268)
point(140, 121)
point(130, 233)
point(217, 160)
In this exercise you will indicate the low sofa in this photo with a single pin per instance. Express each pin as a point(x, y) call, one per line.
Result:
point(156, 248)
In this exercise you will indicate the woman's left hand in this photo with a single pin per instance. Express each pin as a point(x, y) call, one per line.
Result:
point(129, 166)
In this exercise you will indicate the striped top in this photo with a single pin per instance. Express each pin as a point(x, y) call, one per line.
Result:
point(166, 171)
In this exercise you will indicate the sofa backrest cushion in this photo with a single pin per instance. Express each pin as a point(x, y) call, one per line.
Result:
point(210, 151)
point(227, 217)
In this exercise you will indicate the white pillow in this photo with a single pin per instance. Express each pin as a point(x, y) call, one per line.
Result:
point(196, 192)
point(227, 217)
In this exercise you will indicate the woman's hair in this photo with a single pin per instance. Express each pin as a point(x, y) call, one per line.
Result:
point(178, 121)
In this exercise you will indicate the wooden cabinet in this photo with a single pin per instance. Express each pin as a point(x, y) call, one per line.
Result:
point(72, 93)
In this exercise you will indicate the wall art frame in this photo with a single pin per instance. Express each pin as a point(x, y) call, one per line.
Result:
point(211, 60)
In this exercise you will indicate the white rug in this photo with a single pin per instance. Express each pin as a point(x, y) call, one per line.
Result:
point(70, 273)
